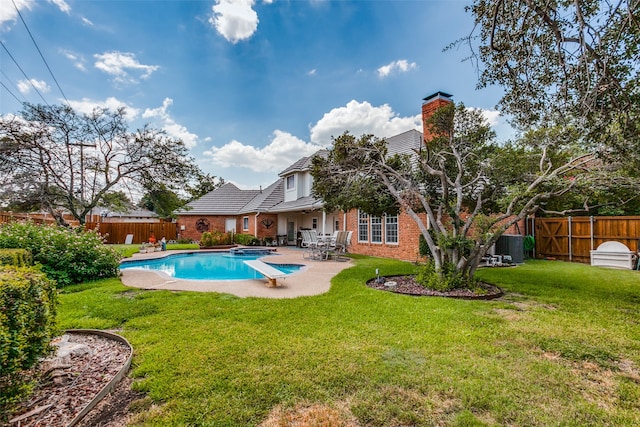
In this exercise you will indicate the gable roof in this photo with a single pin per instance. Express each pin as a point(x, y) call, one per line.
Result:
point(266, 199)
point(303, 164)
point(224, 200)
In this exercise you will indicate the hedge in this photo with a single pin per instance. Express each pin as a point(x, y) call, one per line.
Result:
point(16, 257)
point(27, 323)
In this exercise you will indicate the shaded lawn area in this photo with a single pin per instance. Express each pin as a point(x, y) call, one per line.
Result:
point(561, 348)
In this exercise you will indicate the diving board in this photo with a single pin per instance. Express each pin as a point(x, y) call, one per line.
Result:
point(266, 270)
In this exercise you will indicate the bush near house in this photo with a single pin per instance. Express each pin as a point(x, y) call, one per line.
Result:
point(244, 239)
point(215, 238)
point(27, 321)
point(67, 256)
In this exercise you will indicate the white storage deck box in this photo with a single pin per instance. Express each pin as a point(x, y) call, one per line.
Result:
point(613, 254)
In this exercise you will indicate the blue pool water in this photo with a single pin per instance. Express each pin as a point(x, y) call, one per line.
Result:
point(206, 266)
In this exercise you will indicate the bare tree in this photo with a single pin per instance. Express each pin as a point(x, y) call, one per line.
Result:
point(69, 162)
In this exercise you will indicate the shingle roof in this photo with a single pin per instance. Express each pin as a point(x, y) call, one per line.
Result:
point(224, 200)
point(302, 164)
point(266, 199)
point(404, 143)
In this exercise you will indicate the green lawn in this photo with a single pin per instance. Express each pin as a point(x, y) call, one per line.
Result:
point(561, 348)
point(128, 250)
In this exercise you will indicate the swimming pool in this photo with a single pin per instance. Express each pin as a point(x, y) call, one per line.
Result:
point(206, 266)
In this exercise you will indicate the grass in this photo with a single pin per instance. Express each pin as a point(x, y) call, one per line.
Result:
point(128, 250)
point(561, 348)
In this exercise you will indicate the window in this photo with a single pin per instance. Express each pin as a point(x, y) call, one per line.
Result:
point(363, 227)
point(245, 223)
point(376, 229)
point(314, 223)
point(391, 229)
point(291, 182)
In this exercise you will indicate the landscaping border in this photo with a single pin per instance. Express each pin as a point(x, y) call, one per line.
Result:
point(114, 381)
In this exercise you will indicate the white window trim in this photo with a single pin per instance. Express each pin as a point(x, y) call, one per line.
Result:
point(368, 228)
point(245, 220)
point(382, 230)
point(396, 243)
point(286, 183)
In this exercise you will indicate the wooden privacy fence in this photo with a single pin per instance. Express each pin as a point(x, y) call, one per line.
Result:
point(116, 232)
point(573, 238)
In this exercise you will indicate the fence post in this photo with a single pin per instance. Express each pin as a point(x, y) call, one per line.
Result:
point(591, 230)
point(570, 248)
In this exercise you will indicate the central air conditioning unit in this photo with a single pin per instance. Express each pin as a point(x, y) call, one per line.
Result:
point(511, 245)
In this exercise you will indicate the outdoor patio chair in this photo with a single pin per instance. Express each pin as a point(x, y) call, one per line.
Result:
point(309, 239)
point(343, 240)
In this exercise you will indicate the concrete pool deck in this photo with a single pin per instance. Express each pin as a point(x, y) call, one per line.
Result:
point(313, 279)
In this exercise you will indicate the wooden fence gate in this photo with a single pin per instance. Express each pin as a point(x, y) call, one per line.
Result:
point(573, 238)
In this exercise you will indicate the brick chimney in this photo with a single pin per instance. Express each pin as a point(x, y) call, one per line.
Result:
point(429, 105)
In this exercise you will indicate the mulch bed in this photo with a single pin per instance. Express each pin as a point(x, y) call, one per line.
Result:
point(67, 385)
point(407, 285)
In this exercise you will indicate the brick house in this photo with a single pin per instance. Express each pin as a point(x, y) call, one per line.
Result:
point(287, 206)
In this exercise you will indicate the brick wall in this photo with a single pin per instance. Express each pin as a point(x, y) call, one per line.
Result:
point(217, 223)
point(263, 221)
point(407, 248)
point(408, 239)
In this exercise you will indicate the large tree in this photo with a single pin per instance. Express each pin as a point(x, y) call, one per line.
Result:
point(470, 188)
point(567, 63)
point(71, 162)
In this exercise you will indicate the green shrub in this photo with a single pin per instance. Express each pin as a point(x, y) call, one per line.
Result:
point(215, 238)
point(16, 257)
point(27, 322)
point(447, 280)
point(206, 239)
point(244, 239)
point(67, 255)
point(423, 248)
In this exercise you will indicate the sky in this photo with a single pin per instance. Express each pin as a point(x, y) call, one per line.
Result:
point(250, 86)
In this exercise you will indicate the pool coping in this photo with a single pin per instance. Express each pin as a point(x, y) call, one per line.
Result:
point(313, 279)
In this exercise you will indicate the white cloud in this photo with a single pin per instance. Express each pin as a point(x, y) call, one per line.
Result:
point(86, 106)
point(118, 64)
point(62, 5)
point(87, 21)
point(78, 60)
point(173, 129)
point(312, 72)
point(401, 65)
point(281, 152)
point(235, 20)
point(8, 12)
point(491, 116)
point(362, 118)
point(25, 86)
